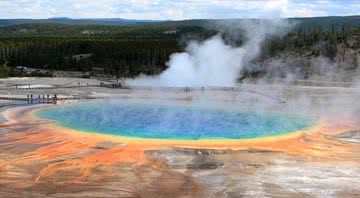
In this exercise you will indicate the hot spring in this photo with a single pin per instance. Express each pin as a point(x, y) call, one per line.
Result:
point(173, 121)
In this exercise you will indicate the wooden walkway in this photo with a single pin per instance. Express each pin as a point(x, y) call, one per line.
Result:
point(54, 87)
point(45, 100)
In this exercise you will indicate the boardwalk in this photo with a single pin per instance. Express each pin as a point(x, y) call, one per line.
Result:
point(43, 99)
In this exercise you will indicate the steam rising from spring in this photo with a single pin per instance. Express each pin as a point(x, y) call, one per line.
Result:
point(213, 62)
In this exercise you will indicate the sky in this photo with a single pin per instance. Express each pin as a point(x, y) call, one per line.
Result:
point(176, 9)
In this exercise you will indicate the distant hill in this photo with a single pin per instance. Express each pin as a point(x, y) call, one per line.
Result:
point(49, 29)
point(326, 23)
point(69, 21)
point(308, 23)
point(63, 26)
point(60, 18)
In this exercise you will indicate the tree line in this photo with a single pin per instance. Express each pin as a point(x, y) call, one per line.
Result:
point(124, 53)
point(302, 40)
point(118, 56)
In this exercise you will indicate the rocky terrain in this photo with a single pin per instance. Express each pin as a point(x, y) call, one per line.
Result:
point(312, 64)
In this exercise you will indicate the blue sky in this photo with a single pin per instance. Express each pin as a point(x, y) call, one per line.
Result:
point(176, 9)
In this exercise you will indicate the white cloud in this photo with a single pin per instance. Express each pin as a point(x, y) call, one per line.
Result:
point(174, 9)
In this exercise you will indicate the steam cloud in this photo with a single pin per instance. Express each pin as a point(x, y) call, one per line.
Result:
point(213, 62)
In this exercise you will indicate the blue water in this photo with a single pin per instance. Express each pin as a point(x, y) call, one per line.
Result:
point(172, 122)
